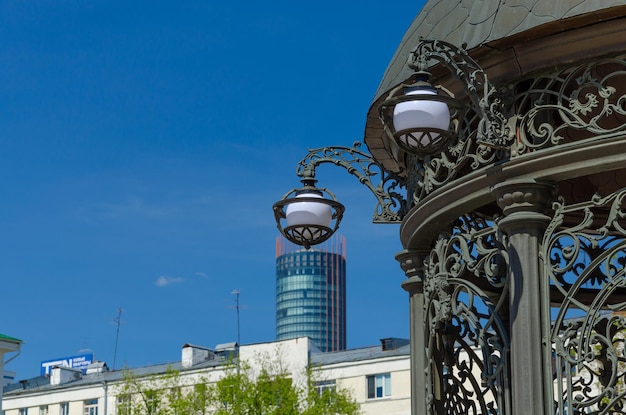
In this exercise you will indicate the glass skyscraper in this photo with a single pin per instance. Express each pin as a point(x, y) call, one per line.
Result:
point(311, 293)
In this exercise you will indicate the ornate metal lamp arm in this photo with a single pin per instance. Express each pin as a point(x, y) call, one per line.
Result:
point(391, 206)
point(494, 129)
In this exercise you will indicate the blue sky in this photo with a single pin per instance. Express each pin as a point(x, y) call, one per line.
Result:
point(142, 145)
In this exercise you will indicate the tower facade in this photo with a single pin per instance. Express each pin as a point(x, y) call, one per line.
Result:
point(311, 293)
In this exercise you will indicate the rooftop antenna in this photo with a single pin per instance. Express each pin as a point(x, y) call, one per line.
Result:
point(236, 292)
point(117, 320)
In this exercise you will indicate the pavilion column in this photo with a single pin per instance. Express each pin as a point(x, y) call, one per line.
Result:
point(524, 203)
point(412, 262)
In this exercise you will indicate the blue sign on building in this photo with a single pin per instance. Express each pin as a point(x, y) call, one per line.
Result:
point(76, 362)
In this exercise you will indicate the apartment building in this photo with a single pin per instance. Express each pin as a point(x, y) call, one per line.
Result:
point(378, 377)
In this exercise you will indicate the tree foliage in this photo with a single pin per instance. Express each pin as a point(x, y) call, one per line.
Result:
point(270, 390)
point(162, 395)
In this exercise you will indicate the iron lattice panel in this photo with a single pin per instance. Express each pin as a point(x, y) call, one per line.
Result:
point(584, 265)
point(467, 342)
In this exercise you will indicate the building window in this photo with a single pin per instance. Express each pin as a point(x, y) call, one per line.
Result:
point(91, 407)
point(43, 410)
point(151, 399)
point(65, 408)
point(23, 411)
point(123, 405)
point(379, 386)
point(325, 385)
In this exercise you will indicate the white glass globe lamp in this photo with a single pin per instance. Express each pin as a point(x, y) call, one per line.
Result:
point(422, 115)
point(308, 212)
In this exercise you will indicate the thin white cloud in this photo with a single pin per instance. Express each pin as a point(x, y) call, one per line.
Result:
point(164, 281)
point(132, 206)
point(201, 275)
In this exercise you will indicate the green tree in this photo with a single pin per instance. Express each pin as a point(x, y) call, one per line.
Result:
point(270, 390)
point(239, 391)
point(162, 395)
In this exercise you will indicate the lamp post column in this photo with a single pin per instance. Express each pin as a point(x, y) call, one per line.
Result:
point(412, 262)
point(523, 203)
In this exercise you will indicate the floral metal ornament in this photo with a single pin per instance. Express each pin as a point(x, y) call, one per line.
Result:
point(585, 265)
point(576, 103)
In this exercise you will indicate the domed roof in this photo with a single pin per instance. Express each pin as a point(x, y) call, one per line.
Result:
point(477, 22)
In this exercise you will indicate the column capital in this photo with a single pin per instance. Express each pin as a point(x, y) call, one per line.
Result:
point(412, 263)
point(523, 202)
point(523, 195)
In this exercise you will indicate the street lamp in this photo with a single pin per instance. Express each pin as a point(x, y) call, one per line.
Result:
point(424, 119)
point(418, 116)
point(310, 215)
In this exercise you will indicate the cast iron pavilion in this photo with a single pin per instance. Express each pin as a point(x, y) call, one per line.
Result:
point(498, 134)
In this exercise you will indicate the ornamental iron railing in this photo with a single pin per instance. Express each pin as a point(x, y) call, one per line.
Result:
point(552, 109)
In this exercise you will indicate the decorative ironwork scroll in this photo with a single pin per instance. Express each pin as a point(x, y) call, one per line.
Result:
point(391, 206)
point(584, 252)
point(467, 342)
point(580, 102)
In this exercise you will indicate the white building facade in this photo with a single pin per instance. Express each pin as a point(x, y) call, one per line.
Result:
point(378, 377)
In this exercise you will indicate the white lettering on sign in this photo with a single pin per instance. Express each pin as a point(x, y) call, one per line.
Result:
point(47, 365)
point(76, 362)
